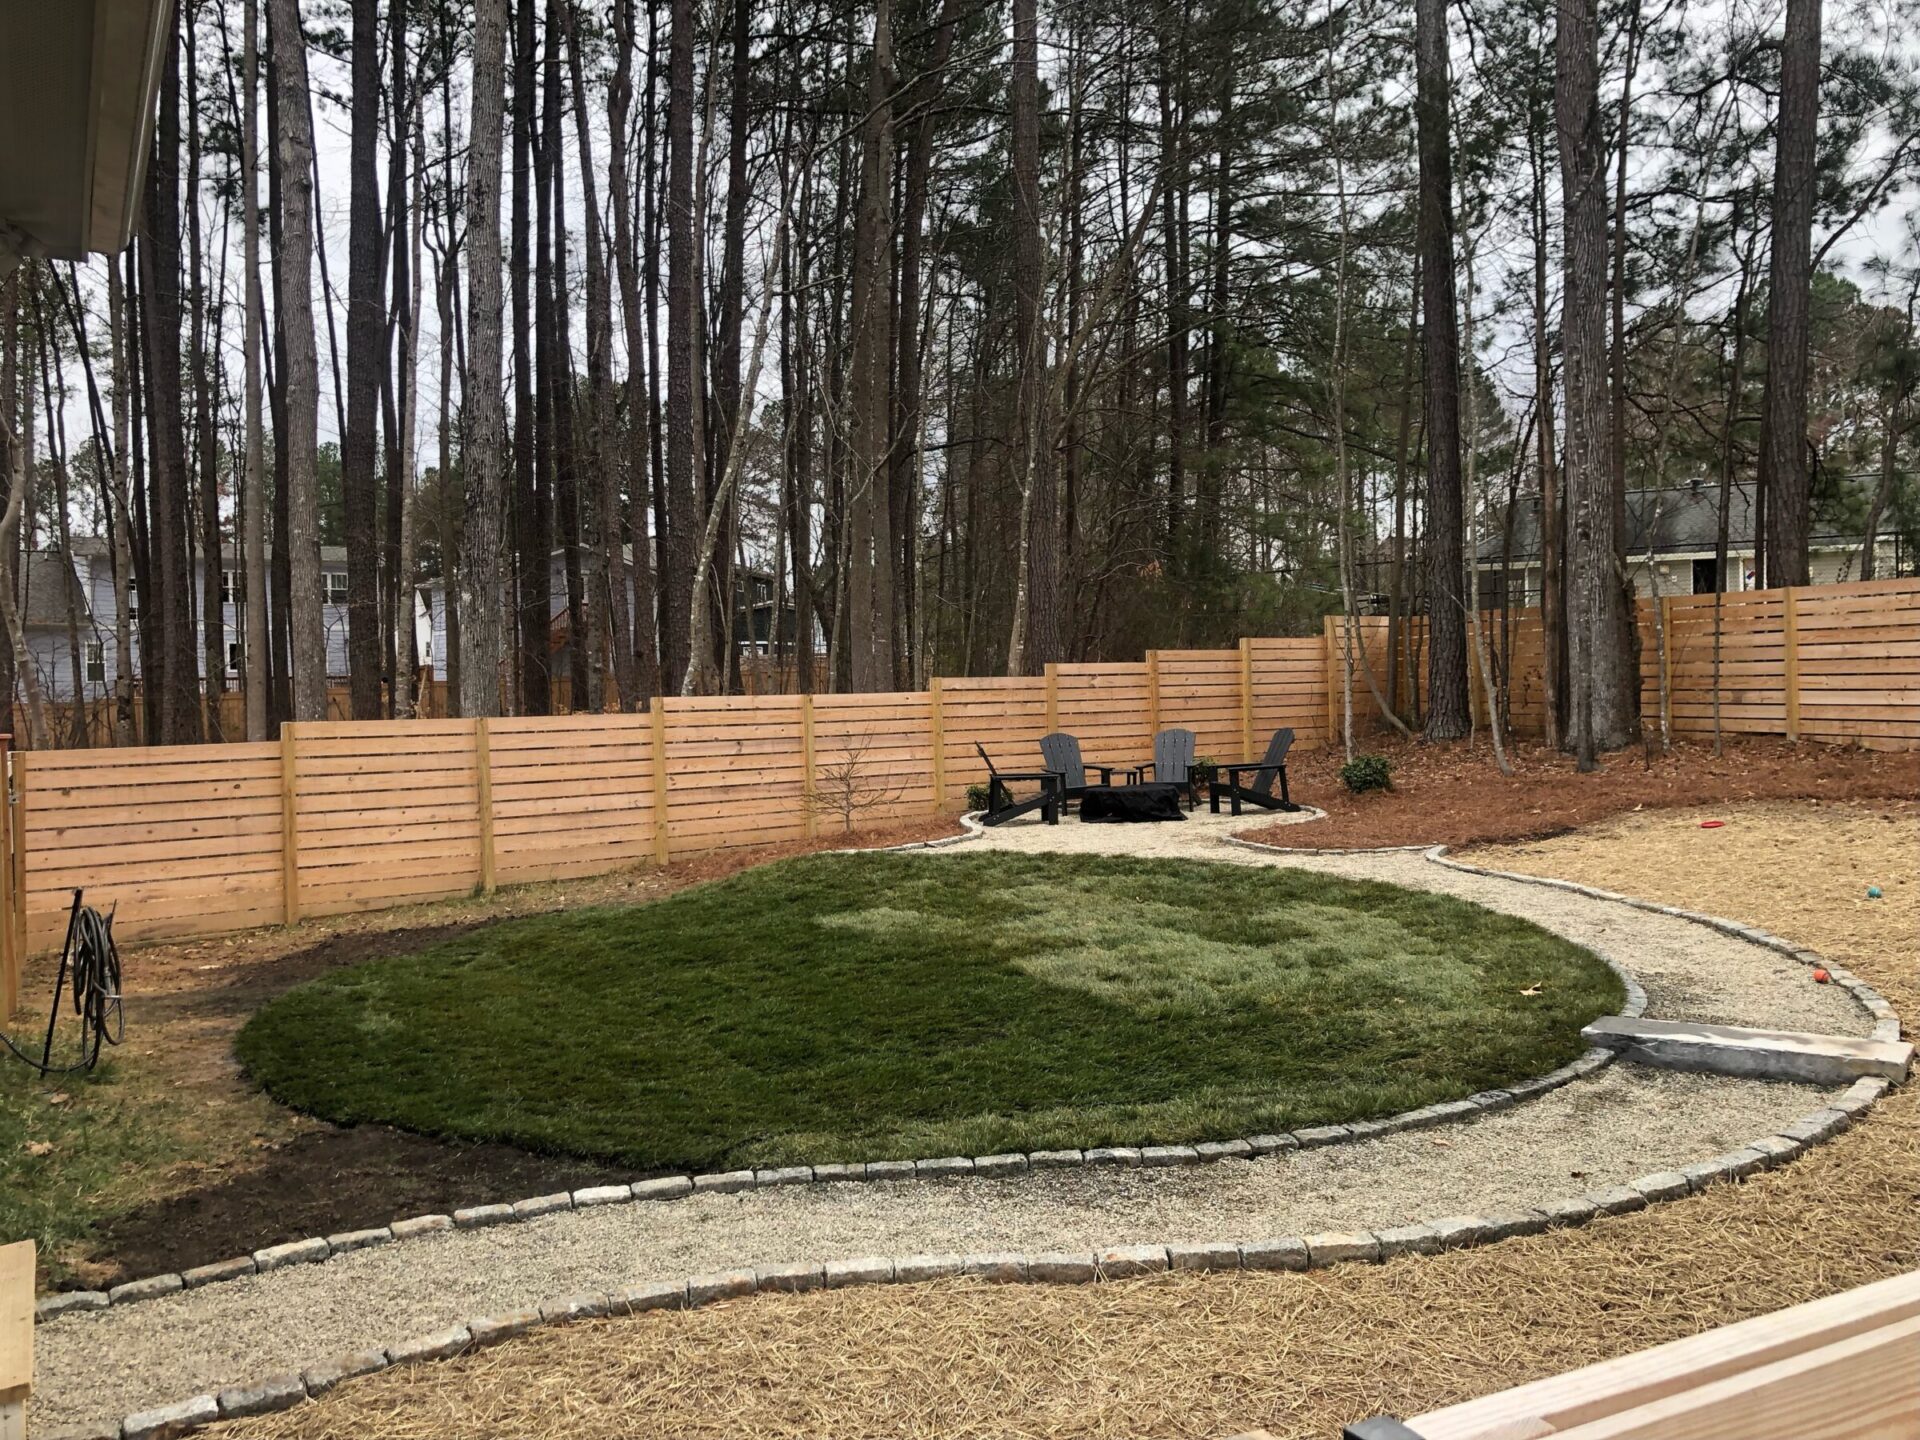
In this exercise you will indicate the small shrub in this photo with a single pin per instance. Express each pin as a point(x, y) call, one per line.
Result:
point(1205, 770)
point(1367, 772)
point(978, 796)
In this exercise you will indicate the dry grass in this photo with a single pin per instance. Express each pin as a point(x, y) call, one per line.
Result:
point(1299, 1355)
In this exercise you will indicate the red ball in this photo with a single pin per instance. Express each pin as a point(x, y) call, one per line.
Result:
point(1821, 976)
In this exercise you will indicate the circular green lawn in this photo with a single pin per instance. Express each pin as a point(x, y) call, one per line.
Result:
point(859, 1007)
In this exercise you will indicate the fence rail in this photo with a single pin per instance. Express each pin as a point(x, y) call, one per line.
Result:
point(340, 816)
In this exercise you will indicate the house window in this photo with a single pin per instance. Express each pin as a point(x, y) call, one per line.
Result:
point(133, 603)
point(1706, 577)
point(96, 663)
point(233, 657)
point(336, 583)
point(229, 587)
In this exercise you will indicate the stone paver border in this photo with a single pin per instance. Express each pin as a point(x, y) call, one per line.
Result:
point(1291, 1253)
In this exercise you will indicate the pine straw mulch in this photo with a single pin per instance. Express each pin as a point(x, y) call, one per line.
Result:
point(1299, 1355)
point(1451, 794)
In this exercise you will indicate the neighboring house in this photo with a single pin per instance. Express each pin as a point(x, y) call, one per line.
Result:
point(1682, 526)
point(753, 607)
point(90, 577)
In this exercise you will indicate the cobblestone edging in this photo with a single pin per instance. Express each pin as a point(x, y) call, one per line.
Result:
point(315, 1249)
point(1886, 1023)
point(1286, 1253)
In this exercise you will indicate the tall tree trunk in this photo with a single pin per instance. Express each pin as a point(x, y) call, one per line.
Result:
point(307, 631)
point(1448, 715)
point(206, 488)
point(255, 658)
point(529, 585)
point(480, 578)
point(869, 562)
point(366, 332)
point(1040, 541)
point(1605, 681)
point(1785, 477)
point(609, 598)
point(583, 647)
point(684, 462)
point(406, 661)
point(160, 289)
point(397, 362)
point(641, 678)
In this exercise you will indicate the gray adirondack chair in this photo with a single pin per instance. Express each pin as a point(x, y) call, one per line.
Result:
point(1232, 780)
point(1002, 805)
point(1172, 762)
point(1060, 753)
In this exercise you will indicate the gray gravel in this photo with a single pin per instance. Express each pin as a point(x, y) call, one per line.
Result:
point(1625, 1123)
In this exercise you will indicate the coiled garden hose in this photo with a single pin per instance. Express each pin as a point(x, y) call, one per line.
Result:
point(91, 963)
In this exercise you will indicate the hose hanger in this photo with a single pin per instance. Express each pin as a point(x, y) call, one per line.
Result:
point(90, 969)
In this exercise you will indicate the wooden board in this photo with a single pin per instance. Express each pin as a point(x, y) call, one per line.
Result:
point(1733, 1358)
point(16, 1337)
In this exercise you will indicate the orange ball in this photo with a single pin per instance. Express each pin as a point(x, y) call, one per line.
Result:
point(1821, 976)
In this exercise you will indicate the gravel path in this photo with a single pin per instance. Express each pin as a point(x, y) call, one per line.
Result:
point(1624, 1123)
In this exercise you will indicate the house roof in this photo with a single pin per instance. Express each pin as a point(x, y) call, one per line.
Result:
point(49, 578)
point(77, 85)
point(229, 555)
point(1676, 521)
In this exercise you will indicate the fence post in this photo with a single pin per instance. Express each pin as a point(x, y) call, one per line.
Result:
point(1334, 672)
point(1246, 699)
point(938, 725)
point(1153, 692)
point(483, 787)
point(9, 838)
point(1053, 698)
point(16, 1337)
point(16, 918)
point(1790, 680)
point(662, 844)
point(289, 821)
point(806, 765)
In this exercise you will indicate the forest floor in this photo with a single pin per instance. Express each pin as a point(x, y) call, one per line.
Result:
point(1208, 1355)
point(168, 1156)
point(1453, 795)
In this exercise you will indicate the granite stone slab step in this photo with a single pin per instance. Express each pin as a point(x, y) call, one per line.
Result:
point(1755, 1054)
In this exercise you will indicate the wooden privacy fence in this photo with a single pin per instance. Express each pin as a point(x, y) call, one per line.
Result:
point(1837, 663)
point(341, 816)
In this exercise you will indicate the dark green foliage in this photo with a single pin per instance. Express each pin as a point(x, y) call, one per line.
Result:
point(853, 1007)
point(1367, 772)
point(978, 796)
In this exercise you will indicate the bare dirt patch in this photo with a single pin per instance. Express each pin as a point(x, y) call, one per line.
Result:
point(241, 1172)
point(1451, 794)
point(1299, 1355)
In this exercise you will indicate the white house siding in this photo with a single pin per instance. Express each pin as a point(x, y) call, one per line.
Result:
point(50, 652)
point(1824, 567)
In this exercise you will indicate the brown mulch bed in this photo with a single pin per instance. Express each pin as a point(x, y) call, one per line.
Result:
point(1299, 1355)
point(1451, 794)
point(253, 1174)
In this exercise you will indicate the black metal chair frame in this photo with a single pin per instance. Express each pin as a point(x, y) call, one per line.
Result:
point(1264, 772)
point(1002, 807)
